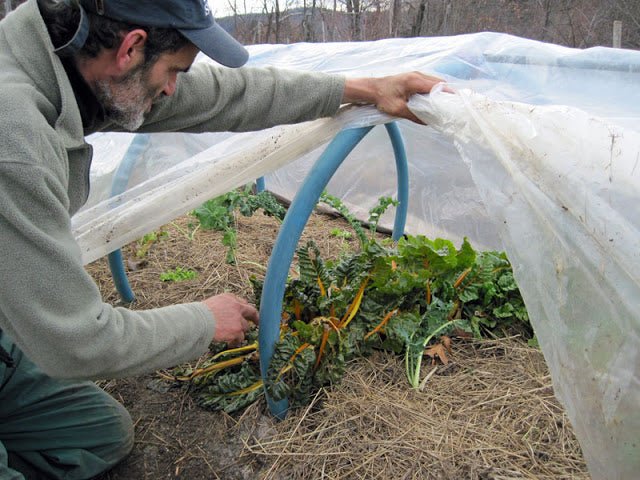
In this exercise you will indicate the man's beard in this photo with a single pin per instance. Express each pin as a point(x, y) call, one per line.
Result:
point(126, 100)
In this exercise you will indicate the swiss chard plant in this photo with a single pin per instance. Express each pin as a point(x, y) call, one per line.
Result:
point(220, 213)
point(394, 296)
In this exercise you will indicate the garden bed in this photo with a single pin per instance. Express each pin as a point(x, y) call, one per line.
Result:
point(489, 413)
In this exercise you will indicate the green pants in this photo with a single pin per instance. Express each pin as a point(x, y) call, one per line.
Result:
point(56, 429)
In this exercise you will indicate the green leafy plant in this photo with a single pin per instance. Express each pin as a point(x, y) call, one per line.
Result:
point(375, 214)
point(189, 232)
point(178, 274)
point(147, 241)
point(396, 297)
point(339, 206)
point(339, 233)
point(220, 213)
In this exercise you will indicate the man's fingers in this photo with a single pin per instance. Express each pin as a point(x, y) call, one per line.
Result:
point(233, 316)
point(250, 313)
point(400, 110)
point(236, 342)
point(413, 118)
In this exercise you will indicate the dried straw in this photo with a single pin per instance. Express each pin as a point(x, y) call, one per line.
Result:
point(489, 414)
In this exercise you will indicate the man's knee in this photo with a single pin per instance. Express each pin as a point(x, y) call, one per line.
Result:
point(121, 432)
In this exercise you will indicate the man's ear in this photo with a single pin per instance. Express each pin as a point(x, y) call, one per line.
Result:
point(130, 53)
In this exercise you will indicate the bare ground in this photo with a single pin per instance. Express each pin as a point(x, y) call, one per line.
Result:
point(489, 414)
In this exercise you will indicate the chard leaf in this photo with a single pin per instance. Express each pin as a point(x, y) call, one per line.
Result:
point(504, 311)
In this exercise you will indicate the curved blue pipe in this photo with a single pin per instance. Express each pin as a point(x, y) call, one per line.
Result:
point(120, 280)
point(402, 169)
point(295, 220)
point(119, 185)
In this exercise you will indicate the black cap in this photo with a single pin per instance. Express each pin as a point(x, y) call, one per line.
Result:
point(192, 18)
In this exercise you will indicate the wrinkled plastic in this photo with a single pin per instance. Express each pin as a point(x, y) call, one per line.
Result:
point(564, 189)
point(542, 159)
point(445, 201)
point(172, 192)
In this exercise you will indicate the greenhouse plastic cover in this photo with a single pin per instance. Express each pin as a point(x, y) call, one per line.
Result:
point(537, 152)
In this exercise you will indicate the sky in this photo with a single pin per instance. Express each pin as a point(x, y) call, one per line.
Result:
point(221, 8)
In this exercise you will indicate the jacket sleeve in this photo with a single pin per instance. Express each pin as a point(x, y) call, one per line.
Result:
point(52, 308)
point(210, 98)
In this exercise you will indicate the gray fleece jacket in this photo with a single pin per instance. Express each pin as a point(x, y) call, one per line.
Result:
point(49, 305)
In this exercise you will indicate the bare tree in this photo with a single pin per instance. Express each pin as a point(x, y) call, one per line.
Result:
point(273, 14)
point(355, 13)
point(419, 18)
point(277, 20)
point(395, 10)
point(629, 13)
point(308, 18)
point(546, 11)
point(575, 23)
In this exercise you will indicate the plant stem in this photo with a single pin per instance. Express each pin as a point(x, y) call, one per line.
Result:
point(247, 348)
point(413, 371)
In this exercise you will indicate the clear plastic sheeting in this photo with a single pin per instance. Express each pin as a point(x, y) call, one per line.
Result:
point(159, 153)
point(564, 189)
point(235, 161)
point(172, 192)
point(538, 153)
point(444, 198)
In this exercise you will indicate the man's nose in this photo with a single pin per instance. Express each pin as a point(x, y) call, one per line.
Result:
point(170, 87)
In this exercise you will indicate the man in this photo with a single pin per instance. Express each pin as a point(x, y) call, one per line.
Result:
point(68, 70)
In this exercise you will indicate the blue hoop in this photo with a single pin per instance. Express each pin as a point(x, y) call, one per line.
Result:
point(294, 222)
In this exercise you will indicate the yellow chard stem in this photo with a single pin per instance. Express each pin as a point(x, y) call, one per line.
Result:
point(323, 344)
point(462, 276)
point(247, 348)
point(323, 291)
point(214, 368)
point(355, 305)
point(381, 325)
point(248, 389)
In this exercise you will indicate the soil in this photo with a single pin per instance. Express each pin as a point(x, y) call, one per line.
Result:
point(490, 413)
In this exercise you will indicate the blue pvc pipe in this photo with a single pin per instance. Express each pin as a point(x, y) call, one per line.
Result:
point(120, 280)
point(402, 169)
point(119, 185)
point(295, 220)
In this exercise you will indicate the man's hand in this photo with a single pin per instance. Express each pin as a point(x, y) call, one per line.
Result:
point(233, 316)
point(389, 94)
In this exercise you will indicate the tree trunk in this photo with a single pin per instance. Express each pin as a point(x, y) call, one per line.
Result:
point(394, 17)
point(416, 28)
point(546, 6)
point(277, 21)
point(308, 21)
point(269, 14)
point(354, 8)
point(617, 34)
point(447, 18)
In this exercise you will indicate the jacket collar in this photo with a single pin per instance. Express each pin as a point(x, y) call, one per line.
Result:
point(29, 43)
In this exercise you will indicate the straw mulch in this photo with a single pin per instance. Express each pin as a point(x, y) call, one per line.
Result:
point(489, 414)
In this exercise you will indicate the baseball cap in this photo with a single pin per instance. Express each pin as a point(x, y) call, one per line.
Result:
point(192, 18)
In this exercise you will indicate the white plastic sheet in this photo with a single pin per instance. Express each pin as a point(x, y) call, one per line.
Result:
point(542, 159)
point(564, 188)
